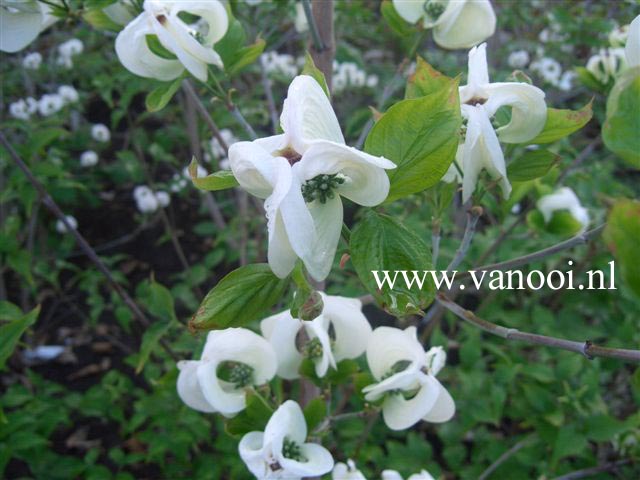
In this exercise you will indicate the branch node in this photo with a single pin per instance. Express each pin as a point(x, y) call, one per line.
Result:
point(585, 349)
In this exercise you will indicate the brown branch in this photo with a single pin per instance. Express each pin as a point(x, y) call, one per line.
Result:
point(586, 348)
point(588, 472)
point(188, 88)
point(506, 456)
point(323, 54)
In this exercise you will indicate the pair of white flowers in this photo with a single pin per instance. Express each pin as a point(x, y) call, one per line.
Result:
point(148, 201)
point(187, 47)
point(349, 471)
point(608, 64)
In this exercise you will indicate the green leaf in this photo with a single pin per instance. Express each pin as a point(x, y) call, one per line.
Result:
point(622, 234)
point(568, 442)
point(239, 298)
point(245, 56)
point(253, 418)
point(562, 123)
point(314, 412)
point(232, 42)
point(150, 340)
point(9, 311)
point(426, 80)
point(100, 20)
point(380, 242)
point(20, 261)
point(421, 137)
point(395, 21)
point(588, 80)
point(158, 49)
point(216, 181)
point(160, 96)
point(313, 71)
point(562, 223)
point(11, 332)
point(620, 131)
point(531, 165)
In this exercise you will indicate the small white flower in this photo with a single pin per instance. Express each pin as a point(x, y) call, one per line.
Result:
point(406, 376)
point(607, 64)
point(548, 68)
point(100, 133)
point(372, 81)
point(200, 172)
point(32, 61)
point(566, 81)
point(163, 198)
point(62, 228)
point(301, 174)
point(71, 48)
point(563, 199)
point(518, 59)
point(232, 361)
point(146, 200)
point(216, 149)
point(394, 475)
point(32, 105)
point(341, 315)
point(280, 452)
point(193, 52)
point(88, 159)
point(19, 110)
point(279, 64)
point(455, 23)
point(347, 471)
point(49, 104)
point(68, 93)
point(21, 21)
point(632, 49)
point(301, 23)
point(179, 182)
point(618, 36)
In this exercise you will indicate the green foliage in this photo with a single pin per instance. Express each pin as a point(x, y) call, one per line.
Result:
point(395, 21)
point(420, 135)
point(427, 80)
point(561, 223)
point(235, 56)
point(220, 180)
point(310, 69)
point(160, 96)
point(239, 298)
point(561, 123)
point(381, 243)
point(620, 130)
point(531, 164)
point(253, 418)
point(11, 332)
point(621, 234)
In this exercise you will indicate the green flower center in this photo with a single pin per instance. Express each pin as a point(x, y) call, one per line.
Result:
point(238, 373)
point(292, 450)
point(434, 8)
point(313, 349)
point(321, 187)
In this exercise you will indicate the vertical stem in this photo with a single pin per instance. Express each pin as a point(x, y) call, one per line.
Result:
point(323, 54)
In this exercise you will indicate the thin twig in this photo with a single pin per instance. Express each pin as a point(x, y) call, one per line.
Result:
point(82, 243)
point(586, 348)
point(188, 88)
point(581, 157)
point(472, 220)
point(588, 472)
point(540, 254)
point(237, 114)
point(268, 92)
point(318, 45)
point(506, 456)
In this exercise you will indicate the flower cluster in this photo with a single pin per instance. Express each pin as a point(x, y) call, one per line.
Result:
point(68, 50)
point(217, 151)
point(88, 159)
point(47, 105)
point(349, 471)
point(279, 64)
point(148, 201)
point(349, 74)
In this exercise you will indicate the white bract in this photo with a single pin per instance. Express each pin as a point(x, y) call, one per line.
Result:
point(455, 23)
point(340, 314)
point(406, 376)
point(62, 228)
point(232, 361)
point(32, 61)
point(563, 199)
point(21, 21)
point(348, 471)
point(548, 68)
point(480, 100)
point(632, 49)
point(192, 50)
point(607, 64)
point(100, 133)
point(301, 174)
point(280, 452)
point(618, 36)
point(394, 475)
point(518, 59)
point(88, 159)
point(68, 93)
point(50, 103)
point(19, 109)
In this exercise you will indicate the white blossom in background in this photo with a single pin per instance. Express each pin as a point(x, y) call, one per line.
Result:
point(68, 50)
point(548, 68)
point(406, 379)
point(178, 182)
point(280, 452)
point(632, 49)
point(394, 475)
point(341, 315)
point(350, 75)
point(32, 105)
point(518, 59)
point(233, 360)
point(68, 93)
point(563, 199)
point(301, 174)
point(100, 133)
point(88, 159)
point(163, 198)
point(282, 64)
point(301, 24)
point(193, 51)
point(21, 21)
point(348, 471)
point(456, 23)
point(19, 109)
point(217, 151)
point(607, 64)
point(618, 36)
point(200, 172)
point(480, 100)
point(62, 228)
point(32, 61)
point(50, 103)
point(146, 200)
point(567, 80)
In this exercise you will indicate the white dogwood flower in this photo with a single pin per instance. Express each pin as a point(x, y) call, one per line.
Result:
point(632, 49)
point(192, 50)
point(563, 199)
point(50, 103)
point(68, 93)
point(607, 64)
point(19, 109)
point(518, 59)
point(394, 475)
point(301, 174)
point(21, 21)
point(348, 471)
point(406, 376)
point(280, 452)
point(100, 133)
point(232, 361)
point(340, 315)
point(480, 100)
point(32, 61)
point(62, 228)
point(88, 159)
point(455, 23)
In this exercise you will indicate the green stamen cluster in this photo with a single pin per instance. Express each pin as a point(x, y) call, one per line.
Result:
point(241, 375)
point(321, 187)
point(313, 349)
point(292, 450)
point(434, 8)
